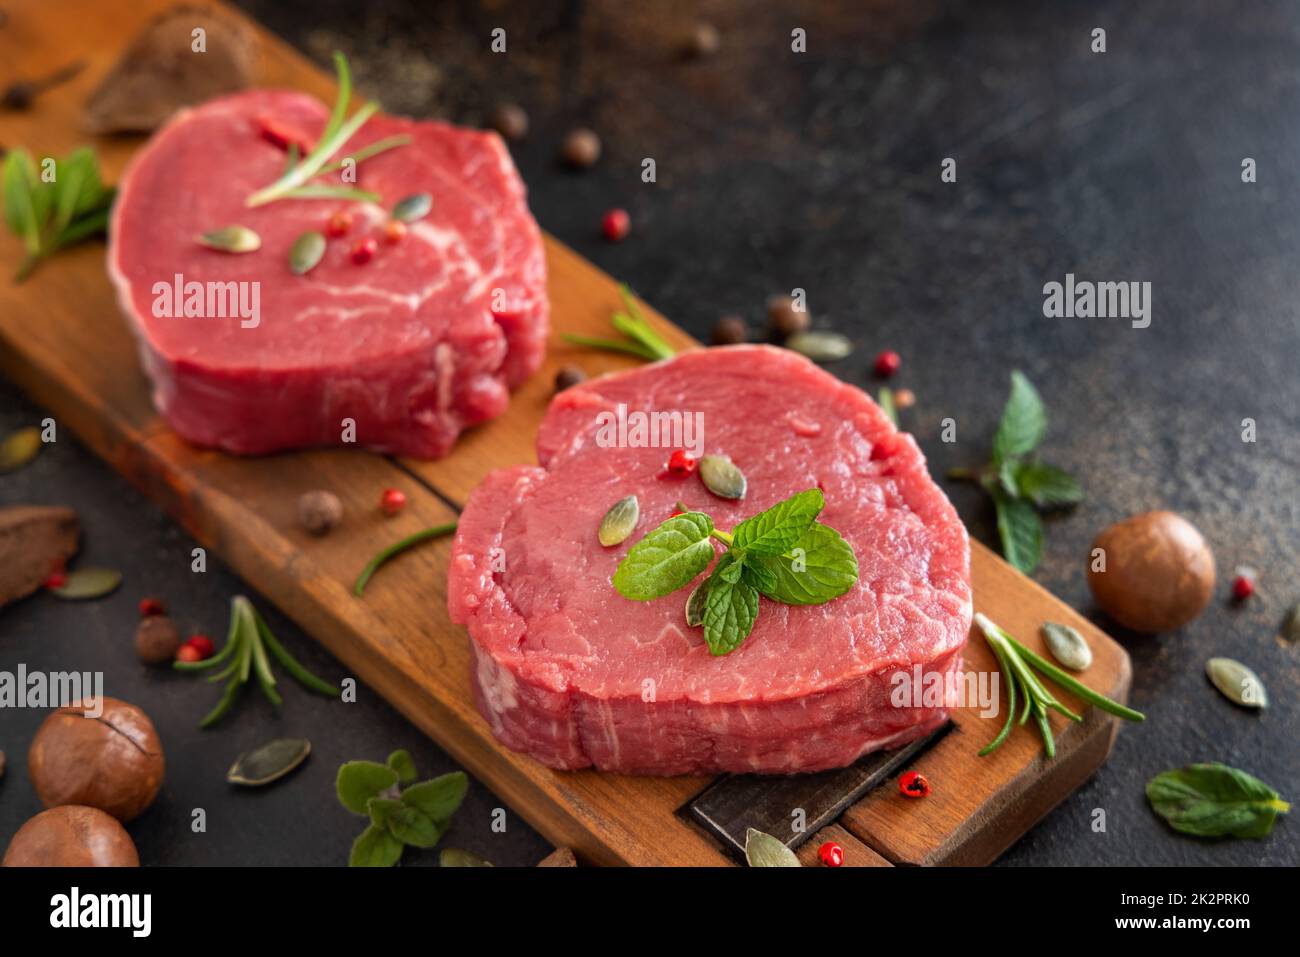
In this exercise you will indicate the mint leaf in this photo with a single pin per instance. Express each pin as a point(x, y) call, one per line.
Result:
point(729, 567)
point(667, 558)
point(729, 614)
point(780, 527)
point(1046, 485)
point(1021, 531)
point(1024, 420)
point(820, 566)
point(375, 847)
point(359, 781)
point(404, 765)
point(439, 798)
point(1214, 800)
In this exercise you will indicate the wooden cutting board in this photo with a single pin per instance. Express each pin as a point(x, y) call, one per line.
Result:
point(63, 340)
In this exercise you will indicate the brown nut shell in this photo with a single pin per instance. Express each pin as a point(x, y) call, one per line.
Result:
point(1159, 572)
point(71, 836)
point(113, 762)
point(157, 639)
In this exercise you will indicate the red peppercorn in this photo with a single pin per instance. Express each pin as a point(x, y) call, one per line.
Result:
point(363, 250)
point(913, 785)
point(338, 225)
point(56, 580)
point(150, 607)
point(1243, 586)
point(831, 854)
point(616, 224)
point(887, 363)
point(394, 231)
point(188, 652)
point(392, 501)
point(681, 464)
point(203, 645)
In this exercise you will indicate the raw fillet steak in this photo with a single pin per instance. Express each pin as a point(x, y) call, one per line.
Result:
point(572, 673)
point(414, 346)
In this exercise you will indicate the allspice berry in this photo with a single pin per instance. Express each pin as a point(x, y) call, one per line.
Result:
point(729, 331)
point(703, 41)
point(1152, 572)
point(319, 511)
point(71, 836)
point(157, 640)
point(785, 319)
point(568, 376)
point(112, 760)
point(510, 120)
point(581, 149)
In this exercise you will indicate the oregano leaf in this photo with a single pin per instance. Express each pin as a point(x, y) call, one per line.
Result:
point(438, 798)
point(359, 781)
point(402, 762)
point(375, 847)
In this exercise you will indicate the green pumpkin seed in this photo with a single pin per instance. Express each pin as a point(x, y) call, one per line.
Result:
point(721, 477)
point(306, 252)
point(19, 448)
point(763, 850)
point(1067, 646)
point(268, 762)
point(455, 857)
point(696, 603)
point(1238, 683)
point(1291, 625)
point(619, 521)
point(231, 239)
point(86, 583)
point(820, 346)
point(411, 208)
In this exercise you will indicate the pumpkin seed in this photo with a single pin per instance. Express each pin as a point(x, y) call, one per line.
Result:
point(1238, 683)
point(1291, 625)
point(455, 857)
point(619, 521)
point(696, 603)
point(231, 239)
point(411, 208)
point(19, 448)
point(269, 762)
point(763, 850)
point(1067, 646)
point(820, 346)
point(721, 477)
point(86, 583)
point(306, 252)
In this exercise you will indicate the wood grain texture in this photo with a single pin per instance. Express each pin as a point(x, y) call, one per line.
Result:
point(62, 340)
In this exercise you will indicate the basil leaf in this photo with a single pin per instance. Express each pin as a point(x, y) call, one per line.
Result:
point(19, 184)
point(439, 798)
point(1046, 485)
point(404, 765)
point(359, 781)
point(667, 558)
point(729, 614)
point(820, 566)
point(1214, 800)
point(375, 847)
point(1024, 420)
point(778, 529)
point(1021, 531)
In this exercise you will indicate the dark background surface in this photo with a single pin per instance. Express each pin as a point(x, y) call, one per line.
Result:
point(821, 171)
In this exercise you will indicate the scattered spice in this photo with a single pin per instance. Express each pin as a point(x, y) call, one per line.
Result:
point(681, 463)
point(87, 583)
point(904, 398)
point(1214, 800)
point(786, 318)
point(887, 363)
point(721, 477)
point(19, 448)
point(56, 579)
point(1243, 585)
point(1067, 646)
point(394, 231)
point(392, 501)
point(401, 812)
point(269, 762)
point(914, 784)
point(338, 225)
point(640, 339)
point(831, 854)
point(157, 640)
point(1152, 572)
point(151, 606)
point(231, 239)
point(21, 94)
point(615, 225)
point(410, 208)
point(580, 149)
point(820, 345)
point(188, 654)
point(703, 41)
point(203, 645)
point(437, 531)
point(1237, 683)
point(306, 252)
point(619, 522)
point(510, 120)
point(729, 331)
point(567, 377)
point(763, 850)
point(363, 250)
point(319, 511)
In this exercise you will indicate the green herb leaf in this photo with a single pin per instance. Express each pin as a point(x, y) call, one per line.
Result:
point(667, 558)
point(1045, 485)
point(821, 566)
point(404, 765)
point(381, 809)
point(20, 183)
point(438, 798)
point(1024, 421)
point(359, 781)
point(375, 847)
point(408, 824)
point(455, 857)
point(1021, 531)
point(779, 528)
point(729, 614)
point(1214, 800)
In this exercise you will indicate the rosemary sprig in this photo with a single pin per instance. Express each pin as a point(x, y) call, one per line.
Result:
point(641, 340)
point(1015, 662)
point(424, 535)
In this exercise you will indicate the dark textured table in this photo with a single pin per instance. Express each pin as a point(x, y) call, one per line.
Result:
point(821, 171)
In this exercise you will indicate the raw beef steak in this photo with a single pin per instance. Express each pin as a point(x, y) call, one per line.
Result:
point(569, 671)
point(422, 341)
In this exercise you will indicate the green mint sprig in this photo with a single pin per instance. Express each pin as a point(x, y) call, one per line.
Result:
point(402, 813)
point(49, 216)
point(639, 338)
point(1022, 486)
point(783, 554)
